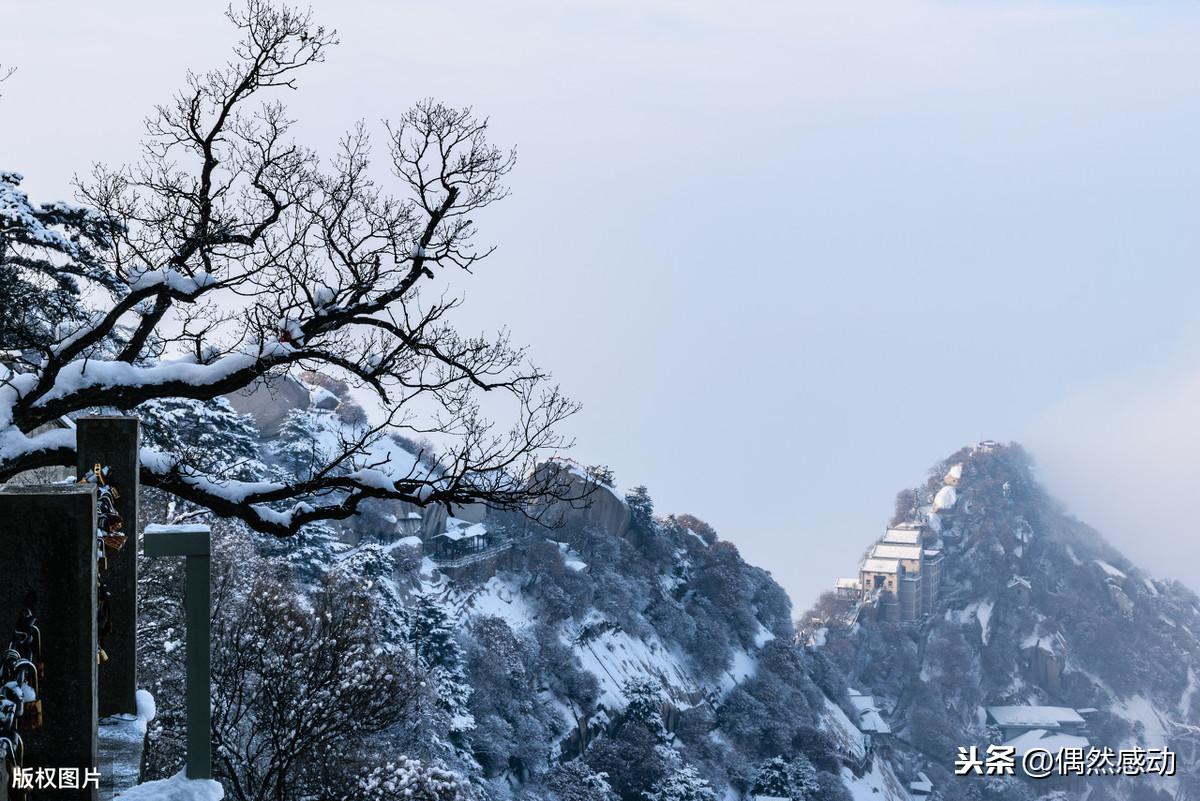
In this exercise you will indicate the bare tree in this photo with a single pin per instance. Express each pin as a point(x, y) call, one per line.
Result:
point(300, 691)
point(229, 255)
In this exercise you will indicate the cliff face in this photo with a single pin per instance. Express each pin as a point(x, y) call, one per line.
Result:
point(1036, 610)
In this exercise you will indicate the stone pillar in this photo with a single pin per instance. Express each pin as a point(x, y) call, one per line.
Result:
point(114, 442)
point(48, 542)
point(192, 542)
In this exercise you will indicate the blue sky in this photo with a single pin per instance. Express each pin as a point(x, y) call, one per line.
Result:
point(788, 254)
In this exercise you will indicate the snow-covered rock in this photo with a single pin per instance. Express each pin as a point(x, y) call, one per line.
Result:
point(945, 499)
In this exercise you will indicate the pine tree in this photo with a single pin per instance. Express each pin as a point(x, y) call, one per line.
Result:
point(684, 784)
point(297, 449)
point(209, 435)
point(409, 779)
point(641, 508)
point(772, 779)
point(576, 781)
point(431, 635)
point(46, 252)
point(310, 553)
point(643, 704)
point(779, 778)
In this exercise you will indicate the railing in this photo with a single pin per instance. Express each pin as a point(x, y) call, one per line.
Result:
point(471, 558)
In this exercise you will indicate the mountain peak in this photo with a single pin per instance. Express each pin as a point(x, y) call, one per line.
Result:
point(1034, 611)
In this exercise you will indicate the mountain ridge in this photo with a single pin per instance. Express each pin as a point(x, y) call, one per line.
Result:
point(1036, 609)
point(633, 655)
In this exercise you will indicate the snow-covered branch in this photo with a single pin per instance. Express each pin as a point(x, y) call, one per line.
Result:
point(230, 254)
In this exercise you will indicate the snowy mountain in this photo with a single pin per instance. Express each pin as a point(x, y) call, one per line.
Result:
point(621, 653)
point(1043, 635)
point(609, 652)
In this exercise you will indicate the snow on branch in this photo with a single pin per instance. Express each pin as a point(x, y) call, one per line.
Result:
point(230, 254)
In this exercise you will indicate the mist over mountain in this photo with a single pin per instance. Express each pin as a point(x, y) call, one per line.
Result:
point(1036, 611)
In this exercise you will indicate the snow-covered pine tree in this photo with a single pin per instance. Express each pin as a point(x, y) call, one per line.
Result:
point(576, 781)
point(779, 778)
point(298, 449)
point(209, 433)
point(644, 703)
point(431, 636)
point(47, 253)
point(310, 553)
point(407, 779)
point(641, 507)
point(683, 784)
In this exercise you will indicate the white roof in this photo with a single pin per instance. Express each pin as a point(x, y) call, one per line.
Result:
point(889, 551)
point(1042, 717)
point(1053, 742)
point(1050, 643)
point(459, 530)
point(848, 584)
point(902, 536)
point(869, 719)
point(881, 566)
point(922, 784)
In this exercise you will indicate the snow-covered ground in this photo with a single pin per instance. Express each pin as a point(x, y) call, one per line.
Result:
point(879, 783)
point(176, 788)
point(842, 730)
point(120, 742)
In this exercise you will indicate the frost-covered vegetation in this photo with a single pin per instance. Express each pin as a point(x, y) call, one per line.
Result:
point(1036, 609)
point(620, 656)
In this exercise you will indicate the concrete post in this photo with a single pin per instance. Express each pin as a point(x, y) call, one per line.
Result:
point(114, 442)
point(48, 542)
point(192, 542)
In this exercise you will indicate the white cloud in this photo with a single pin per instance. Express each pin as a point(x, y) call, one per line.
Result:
point(1125, 457)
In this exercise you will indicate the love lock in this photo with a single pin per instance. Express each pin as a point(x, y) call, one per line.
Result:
point(12, 749)
point(28, 641)
point(10, 706)
point(30, 710)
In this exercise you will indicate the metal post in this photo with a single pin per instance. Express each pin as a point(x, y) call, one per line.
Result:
point(48, 538)
point(192, 542)
point(113, 442)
